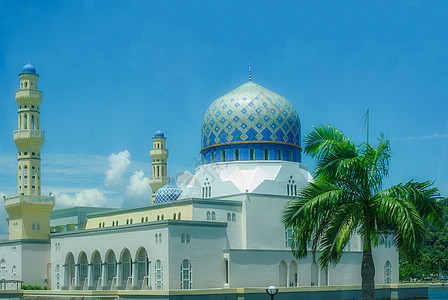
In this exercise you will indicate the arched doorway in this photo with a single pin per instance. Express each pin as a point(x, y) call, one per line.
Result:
point(142, 266)
point(69, 271)
point(111, 269)
point(96, 264)
point(125, 267)
point(282, 270)
point(293, 274)
point(83, 269)
point(314, 274)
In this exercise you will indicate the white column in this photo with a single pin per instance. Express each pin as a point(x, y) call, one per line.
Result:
point(149, 274)
point(90, 276)
point(77, 286)
point(119, 275)
point(66, 285)
point(103, 276)
point(134, 274)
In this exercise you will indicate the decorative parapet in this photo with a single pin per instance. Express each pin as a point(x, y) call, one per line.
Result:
point(28, 199)
point(29, 133)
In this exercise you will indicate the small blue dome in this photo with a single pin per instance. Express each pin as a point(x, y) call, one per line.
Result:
point(168, 193)
point(29, 68)
point(159, 133)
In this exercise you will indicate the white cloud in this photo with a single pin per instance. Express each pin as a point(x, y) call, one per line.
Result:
point(90, 197)
point(138, 187)
point(118, 165)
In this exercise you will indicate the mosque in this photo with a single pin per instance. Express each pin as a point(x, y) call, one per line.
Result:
point(217, 228)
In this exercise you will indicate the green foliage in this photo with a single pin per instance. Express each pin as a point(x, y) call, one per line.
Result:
point(34, 287)
point(432, 260)
point(346, 198)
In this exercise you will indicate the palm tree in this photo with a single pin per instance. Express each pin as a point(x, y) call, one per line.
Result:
point(346, 198)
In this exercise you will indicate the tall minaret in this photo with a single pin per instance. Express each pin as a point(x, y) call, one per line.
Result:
point(29, 212)
point(159, 155)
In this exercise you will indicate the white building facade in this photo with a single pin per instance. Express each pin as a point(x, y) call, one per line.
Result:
point(220, 227)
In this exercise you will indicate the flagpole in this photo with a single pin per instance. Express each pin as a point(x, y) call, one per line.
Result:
point(368, 125)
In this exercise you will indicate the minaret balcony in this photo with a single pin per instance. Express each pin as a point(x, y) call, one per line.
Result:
point(17, 199)
point(29, 137)
point(29, 93)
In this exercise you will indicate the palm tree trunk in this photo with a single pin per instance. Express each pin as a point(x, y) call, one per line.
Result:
point(368, 276)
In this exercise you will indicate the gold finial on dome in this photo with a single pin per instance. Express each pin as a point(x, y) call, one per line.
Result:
point(250, 75)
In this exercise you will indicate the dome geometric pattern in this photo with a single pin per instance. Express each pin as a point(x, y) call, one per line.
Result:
point(250, 113)
point(167, 193)
point(28, 68)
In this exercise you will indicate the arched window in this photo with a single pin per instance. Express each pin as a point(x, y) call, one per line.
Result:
point(314, 274)
point(174, 216)
point(283, 270)
point(185, 275)
point(158, 171)
point(58, 277)
point(111, 267)
point(158, 217)
point(157, 238)
point(69, 271)
point(83, 268)
point(188, 238)
point(182, 238)
point(159, 275)
point(32, 122)
point(142, 265)
point(33, 226)
point(143, 219)
point(113, 223)
point(116, 222)
point(208, 216)
point(162, 217)
point(293, 274)
point(146, 219)
point(229, 217)
point(178, 216)
point(38, 226)
point(233, 217)
point(127, 221)
point(96, 260)
point(104, 224)
point(388, 273)
point(160, 238)
point(125, 266)
point(131, 221)
point(26, 121)
point(213, 216)
point(3, 269)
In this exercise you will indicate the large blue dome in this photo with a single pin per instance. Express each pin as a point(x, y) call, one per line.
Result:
point(167, 193)
point(29, 68)
point(251, 114)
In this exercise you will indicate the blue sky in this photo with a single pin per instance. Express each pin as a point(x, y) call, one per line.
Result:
point(114, 72)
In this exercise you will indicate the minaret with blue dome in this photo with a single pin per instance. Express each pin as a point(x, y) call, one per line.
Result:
point(159, 156)
point(29, 211)
point(251, 123)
